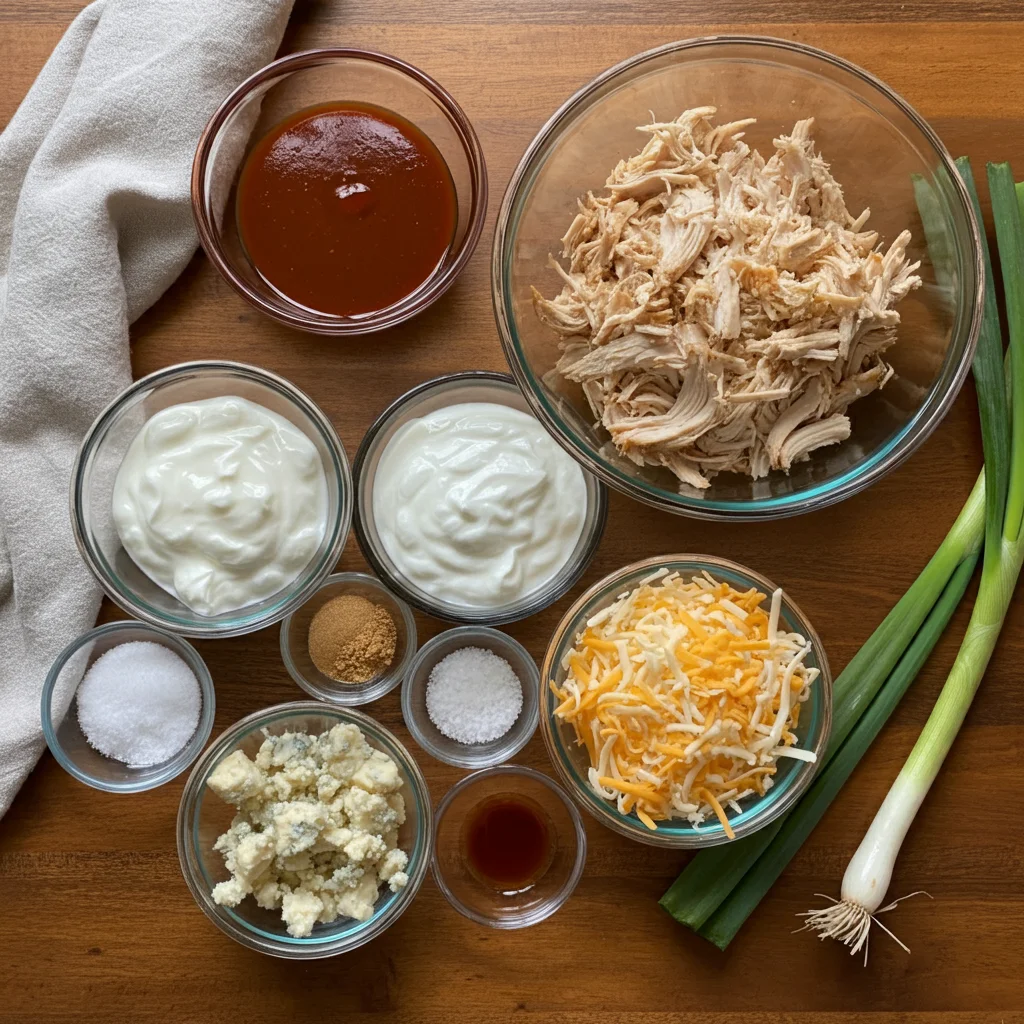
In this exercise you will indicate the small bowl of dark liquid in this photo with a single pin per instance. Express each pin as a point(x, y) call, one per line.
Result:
point(340, 191)
point(509, 847)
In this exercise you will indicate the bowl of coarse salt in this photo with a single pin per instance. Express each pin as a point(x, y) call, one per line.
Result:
point(126, 707)
point(470, 697)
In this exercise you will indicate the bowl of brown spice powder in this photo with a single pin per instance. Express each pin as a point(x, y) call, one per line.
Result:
point(351, 642)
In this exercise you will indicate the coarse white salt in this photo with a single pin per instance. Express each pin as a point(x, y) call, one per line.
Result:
point(139, 703)
point(473, 696)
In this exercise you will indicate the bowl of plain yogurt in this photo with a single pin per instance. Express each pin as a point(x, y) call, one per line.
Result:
point(468, 508)
point(211, 498)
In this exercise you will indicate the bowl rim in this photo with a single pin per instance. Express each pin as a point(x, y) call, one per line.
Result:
point(558, 900)
point(711, 834)
point(502, 753)
point(195, 626)
point(501, 615)
point(354, 694)
point(429, 290)
point(194, 746)
point(302, 949)
point(908, 439)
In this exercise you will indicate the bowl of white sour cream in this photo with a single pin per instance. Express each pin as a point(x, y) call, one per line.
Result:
point(468, 508)
point(211, 498)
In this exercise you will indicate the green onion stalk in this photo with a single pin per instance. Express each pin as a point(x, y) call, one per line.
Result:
point(722, 926)
point(708, 880)
point(867, 878)
point(721, 887)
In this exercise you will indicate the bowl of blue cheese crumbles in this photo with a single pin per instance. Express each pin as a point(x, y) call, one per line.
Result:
point(304, 830)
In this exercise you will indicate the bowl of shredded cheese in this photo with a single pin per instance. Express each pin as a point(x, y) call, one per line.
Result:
point(686, 701)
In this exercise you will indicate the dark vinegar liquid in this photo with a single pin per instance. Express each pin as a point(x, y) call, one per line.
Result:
point(508, 843)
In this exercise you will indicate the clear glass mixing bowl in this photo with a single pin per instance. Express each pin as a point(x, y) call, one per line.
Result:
point(203, 816)
point(572, 762)
point(295, 642)
point(414, 698)
point(469, 894)
point(104, 447)
point(306, 79)
point(59, 710)
point(425, 398)
point(879, 149)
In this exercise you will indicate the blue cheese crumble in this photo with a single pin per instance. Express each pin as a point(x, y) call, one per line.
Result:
point(316, 833)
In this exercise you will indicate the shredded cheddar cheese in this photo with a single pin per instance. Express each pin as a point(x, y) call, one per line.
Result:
point(685, 694)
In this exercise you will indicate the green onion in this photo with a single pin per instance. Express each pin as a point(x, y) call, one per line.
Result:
point(723, 925)
point(708, 879)
point(989, 379)
point(711, 877)
point(870, 870)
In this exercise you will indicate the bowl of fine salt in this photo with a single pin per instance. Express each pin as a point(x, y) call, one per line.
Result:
point(126, 707)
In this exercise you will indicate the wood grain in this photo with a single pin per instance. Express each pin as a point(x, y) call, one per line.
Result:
point(97, 924)
point(584, 12)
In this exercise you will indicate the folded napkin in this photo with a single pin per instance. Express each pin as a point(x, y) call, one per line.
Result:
point(95, 223)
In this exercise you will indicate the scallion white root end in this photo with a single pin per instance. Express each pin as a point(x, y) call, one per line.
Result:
point(850, 923)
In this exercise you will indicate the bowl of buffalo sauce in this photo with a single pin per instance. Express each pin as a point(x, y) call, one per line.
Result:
point(340, 191)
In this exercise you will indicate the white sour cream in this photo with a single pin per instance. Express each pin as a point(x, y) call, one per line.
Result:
point(477, 505)
point(221, 502)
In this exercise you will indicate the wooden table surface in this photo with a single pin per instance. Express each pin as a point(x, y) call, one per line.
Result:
point(96, 924)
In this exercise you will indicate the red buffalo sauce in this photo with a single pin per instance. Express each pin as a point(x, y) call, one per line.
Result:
point(346, 208)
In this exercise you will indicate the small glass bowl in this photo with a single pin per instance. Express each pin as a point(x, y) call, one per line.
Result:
point(59, 710)
point(414, 698)
point(203, 816)
point(883, 153)
point(425, 398)
point(571, 761)
point(295, 642)
point(479, 901)
point(307, 79)
point(104, 448)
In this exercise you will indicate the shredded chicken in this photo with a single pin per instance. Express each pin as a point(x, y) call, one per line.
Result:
point(721, 312)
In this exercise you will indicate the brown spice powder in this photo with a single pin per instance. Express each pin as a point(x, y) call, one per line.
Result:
point(352, 639)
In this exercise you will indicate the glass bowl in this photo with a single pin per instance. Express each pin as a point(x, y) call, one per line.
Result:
point(100, 457)
point(879, 148)
point(481, 902)
point(306, 79)
point(454, 389)
point(414, 698)
point(203, 816)
point(59, 710)
point(295, 642)
point(571, 761)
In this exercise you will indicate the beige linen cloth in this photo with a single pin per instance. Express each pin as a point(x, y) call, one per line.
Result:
point(95, 223)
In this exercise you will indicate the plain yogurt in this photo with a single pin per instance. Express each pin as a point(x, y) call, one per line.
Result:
point(221, 502)
point(477, 505)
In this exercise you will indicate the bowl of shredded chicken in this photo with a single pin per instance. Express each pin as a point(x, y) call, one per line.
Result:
point(751, 305)
point(688, 702)
point(722, 309)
